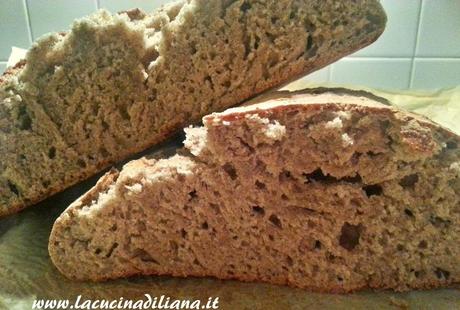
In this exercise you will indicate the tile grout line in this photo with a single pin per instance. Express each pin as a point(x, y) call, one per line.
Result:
point(29, 24)
point(417, 39)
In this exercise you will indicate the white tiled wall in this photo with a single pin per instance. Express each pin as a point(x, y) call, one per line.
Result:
point(420, 48)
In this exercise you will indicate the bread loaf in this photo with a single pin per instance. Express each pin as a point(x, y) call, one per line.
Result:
point(327, 190)
point(115, 85)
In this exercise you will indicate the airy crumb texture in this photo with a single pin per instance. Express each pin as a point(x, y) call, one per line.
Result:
point(271, 192)
point(114, 85)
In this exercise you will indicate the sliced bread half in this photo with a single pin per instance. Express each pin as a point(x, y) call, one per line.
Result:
point(331, 191)
point(115, 85)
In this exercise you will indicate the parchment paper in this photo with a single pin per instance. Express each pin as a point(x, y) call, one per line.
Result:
point(26, 271)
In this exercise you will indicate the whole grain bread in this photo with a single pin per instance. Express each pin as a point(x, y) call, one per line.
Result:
point(327, 190)
point(115, 85)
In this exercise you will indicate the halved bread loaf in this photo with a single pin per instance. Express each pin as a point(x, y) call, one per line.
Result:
point(325, 190)
point(114, 85)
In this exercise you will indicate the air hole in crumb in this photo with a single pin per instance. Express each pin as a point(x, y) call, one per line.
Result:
point(442, 274)
point(309, 42)
point(144, 256)
point(284, 197)
point(439, 222)
point(350, 234)
point(46, 183)
point(275, 221)
point(271, 237)
point(215, 207)
point(284, 175)
point(245, 7)
point(408, 212)
point(196, 262)
point(417, 273)
point(25, 122)
point(409, 181)
point(105, 125)
point(330, 257)
point(371, 154)
point(373, 190)
point(112, 248)
point(230, 171)
point(451, 145)
point(13, 188)
point(205, 225)
point(311, 52)
point(192, 195)
point(98, 251)
point(52, 152)
point(318, 245)
point(355, 158)
point(260, 185)
point(289, 261)
point(340, 279)
point(81, 163)
point(104, 152)
point(353, 179)
point(114, 227)
point(423, 244)
point(183, 233)
point(124, 113)
point(258, 210)
point(256, 42)
point(319, 176)
point(400, 247)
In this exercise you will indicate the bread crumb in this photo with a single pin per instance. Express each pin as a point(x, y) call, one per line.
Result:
point(134, 189)
point(272, 130)
point(275, 131)
point(195, 139)
point(344, 114)
point(347, 140)
point(335, 123)
point(455, 167)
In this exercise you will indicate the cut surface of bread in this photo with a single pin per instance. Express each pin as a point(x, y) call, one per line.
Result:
point(325, 190)
point(115, 85)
